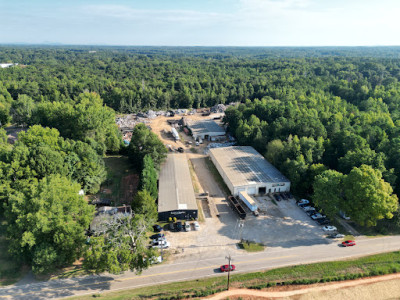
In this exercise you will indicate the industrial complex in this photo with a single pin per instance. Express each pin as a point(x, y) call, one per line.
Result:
point(175, 195)
point(245, 170)
point(206, 130)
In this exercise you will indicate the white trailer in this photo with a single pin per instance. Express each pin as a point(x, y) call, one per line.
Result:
point(175, 134)
point(248, 200)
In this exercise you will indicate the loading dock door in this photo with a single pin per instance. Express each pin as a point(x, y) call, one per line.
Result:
point(251, 190)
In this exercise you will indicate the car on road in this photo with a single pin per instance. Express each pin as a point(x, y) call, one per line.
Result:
point(157, 236)
point(303, 202)
point(178, 226)
point(335, 236)
point(161, 245)
point(196, 225)
point(187, 226)
point(348, 243)
point(329, 228)
point(225, 268)
point(157, 228)
point(317, 216)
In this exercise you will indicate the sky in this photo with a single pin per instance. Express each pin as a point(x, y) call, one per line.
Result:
point(201, 22)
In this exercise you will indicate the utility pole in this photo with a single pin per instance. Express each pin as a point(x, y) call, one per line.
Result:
point(229, 258)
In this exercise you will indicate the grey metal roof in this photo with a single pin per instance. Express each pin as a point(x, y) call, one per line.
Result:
point(243, 165)
point(204, 127)
point(175, 185)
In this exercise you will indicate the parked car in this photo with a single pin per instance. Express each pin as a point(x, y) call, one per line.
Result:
point(303, 202)
point(308, 208)
point(225, 268)
point(277, 198)
point(196, 225)
point(310, 212)
point(187, 226)
point(171, 226)
point(343, 215)
point(157, 228)
point(329, 228)
point(181, 150)
point(323, 221)
point(335, 236)
point(161, 245)
point(157, 236)
point(197, 144)
point(161, 239)
point(348, 243)
point(178, 226)
point(317, 216)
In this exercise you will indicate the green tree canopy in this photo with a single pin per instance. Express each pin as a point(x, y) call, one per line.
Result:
point(47, 220)
point(368, 197)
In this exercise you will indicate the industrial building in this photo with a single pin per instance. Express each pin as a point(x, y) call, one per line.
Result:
point(244, 169)
point(206, 129)
point(175, 194)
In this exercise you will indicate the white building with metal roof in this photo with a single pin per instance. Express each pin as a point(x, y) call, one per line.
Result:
point(175, 193)
point(205, 129)
point(244, 169)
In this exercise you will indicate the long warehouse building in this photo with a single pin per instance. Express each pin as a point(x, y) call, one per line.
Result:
point(175, 194)
point(244, 169)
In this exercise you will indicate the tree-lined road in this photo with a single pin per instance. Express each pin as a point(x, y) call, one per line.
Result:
point(271, 258)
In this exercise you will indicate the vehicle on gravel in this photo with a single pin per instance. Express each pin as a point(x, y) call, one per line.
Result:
point(161, 239)
point(161, 245)
point(317, 216)
point(187, 226)
point(178, 226)
point(323, 221)
point(329, 228)
point(225, 268)
point(303, 202)
point(277, 198)
point(348, 243)
point(157, 236)
point(335, 236)
point(196, 226)
point(308, 208)
point(157, 228)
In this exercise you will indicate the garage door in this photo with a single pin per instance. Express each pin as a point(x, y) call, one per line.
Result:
point(251, 190)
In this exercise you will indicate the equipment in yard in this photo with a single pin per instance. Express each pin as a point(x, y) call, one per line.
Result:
point(237, 207)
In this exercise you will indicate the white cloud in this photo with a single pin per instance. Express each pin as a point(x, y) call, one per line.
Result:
point(175, 16)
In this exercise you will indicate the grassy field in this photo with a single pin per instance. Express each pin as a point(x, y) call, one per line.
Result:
point(10, 270)
point(305, 274)
point(217, 176)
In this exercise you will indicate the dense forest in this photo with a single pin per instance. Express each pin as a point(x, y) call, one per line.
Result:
point(328, 118)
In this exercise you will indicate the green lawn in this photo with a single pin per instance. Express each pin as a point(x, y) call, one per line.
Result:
point(10, 270)
point(304, 274)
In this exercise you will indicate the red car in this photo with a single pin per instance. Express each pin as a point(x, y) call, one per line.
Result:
point(225, 268)
point(348, 243)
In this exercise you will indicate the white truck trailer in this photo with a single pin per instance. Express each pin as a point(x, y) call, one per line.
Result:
point(175, 134)
point(249, 201)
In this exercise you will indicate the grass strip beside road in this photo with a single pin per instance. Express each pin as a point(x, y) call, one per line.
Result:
point(217, 176)
point(250, 246)
point(379, 264)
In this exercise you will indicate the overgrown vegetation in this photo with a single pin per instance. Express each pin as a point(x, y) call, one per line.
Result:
point(250, 246)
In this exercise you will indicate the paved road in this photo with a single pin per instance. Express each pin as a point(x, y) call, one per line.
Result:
point(271, 258)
